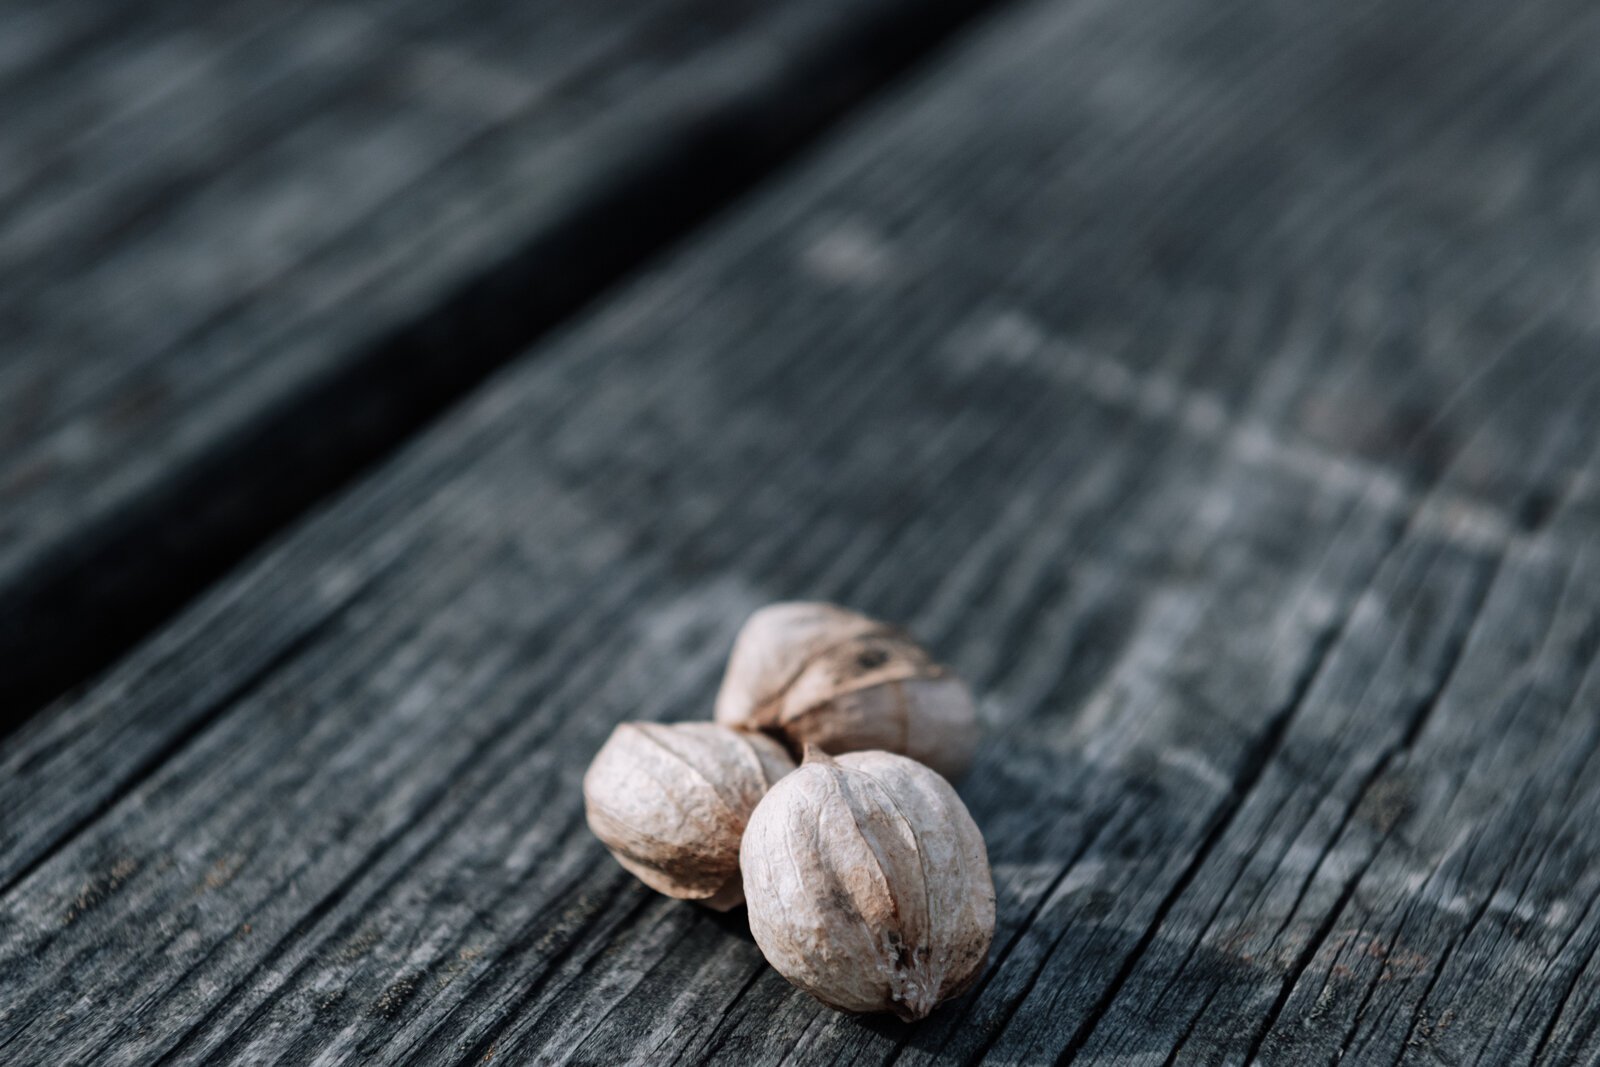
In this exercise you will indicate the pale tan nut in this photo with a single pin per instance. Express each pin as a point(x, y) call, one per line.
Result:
point(868, 884)
point(812, 673)
point(671, 801)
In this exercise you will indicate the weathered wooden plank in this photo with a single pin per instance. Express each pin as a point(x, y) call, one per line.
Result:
point(1307, 847)
point(246, 248)
point(1221, 447)
point(1481, 887)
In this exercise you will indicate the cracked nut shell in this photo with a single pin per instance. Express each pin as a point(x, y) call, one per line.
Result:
point(813, 673)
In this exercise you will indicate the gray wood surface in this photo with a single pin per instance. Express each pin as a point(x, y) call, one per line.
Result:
point(248, 247)
point(1213, 385)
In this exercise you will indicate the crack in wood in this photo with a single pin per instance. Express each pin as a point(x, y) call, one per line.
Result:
point(1251, 767)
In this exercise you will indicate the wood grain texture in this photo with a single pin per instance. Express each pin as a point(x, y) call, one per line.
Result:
point(1213, 385)
point(246, 248)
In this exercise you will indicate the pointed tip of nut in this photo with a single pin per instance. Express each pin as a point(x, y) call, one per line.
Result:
point(813, 754)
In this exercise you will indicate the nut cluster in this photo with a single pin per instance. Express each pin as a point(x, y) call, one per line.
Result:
point(867, 881)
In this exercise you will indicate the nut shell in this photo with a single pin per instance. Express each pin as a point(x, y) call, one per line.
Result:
point(868, 884)
point(813, 673)
point(670, 802)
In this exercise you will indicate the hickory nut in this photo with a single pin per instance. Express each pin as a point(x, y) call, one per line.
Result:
point(812, 673)
point(868, 884)
point(671, 803)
